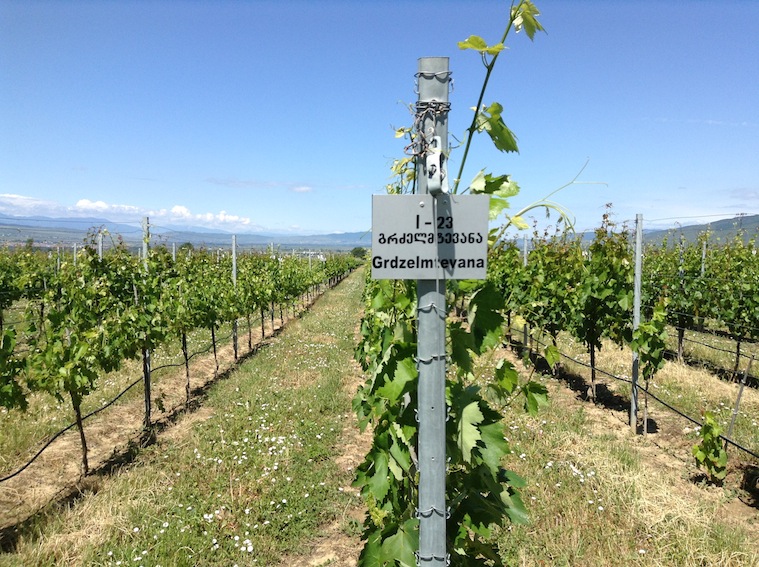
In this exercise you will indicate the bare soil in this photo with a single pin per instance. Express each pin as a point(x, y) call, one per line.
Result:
point(113, 437)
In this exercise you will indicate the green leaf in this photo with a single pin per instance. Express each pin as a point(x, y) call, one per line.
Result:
point(502, 185)
point(490, 121)
point(399, 450)
point(462, 343)
point(525, 17)
point(485, 320)
point(371, 555)
point(506, 376)
point(476, 43)
point(404, 372)
point(468, 433)
point(378, 483)
point(536, 396)
point(515, 508)
point(496, 446)
point(519, 222)
point(402, 545)
point(497, 206)
point(552, 355)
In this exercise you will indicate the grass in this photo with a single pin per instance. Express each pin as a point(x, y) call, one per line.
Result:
point(23, 432)
point(595, 497)
point(248, 478)
point(692, 390)
point(254, 476)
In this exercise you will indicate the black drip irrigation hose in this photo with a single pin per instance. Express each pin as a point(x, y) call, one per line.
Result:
point(110, 403)
point(654, 396)
point(64, 430)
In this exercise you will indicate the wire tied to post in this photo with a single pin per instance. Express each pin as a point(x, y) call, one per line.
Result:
point(428, 558)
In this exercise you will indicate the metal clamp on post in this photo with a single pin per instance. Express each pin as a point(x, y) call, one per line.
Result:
point(428, 513)
point(430, 359)
point(421, 559)
point(436, 168)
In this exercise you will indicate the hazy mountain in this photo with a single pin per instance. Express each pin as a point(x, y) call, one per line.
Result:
point(47, 231)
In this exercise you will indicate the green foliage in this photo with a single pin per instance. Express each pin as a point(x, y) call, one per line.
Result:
point(11, 393)
point(525, 17)
point(481, 493)
point(605, 292)
point(706, 280)
point(710, 452)
point(649, 341)
point(84, 315)
point(490, 120)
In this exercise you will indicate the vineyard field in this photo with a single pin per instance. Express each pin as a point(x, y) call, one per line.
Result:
point(278, 448)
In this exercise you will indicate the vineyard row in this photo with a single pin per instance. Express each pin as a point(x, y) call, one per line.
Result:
point(83, 317)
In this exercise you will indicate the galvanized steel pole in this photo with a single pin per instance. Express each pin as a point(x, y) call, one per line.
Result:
point(234, 290)
point(432, 110)
point(636, 319)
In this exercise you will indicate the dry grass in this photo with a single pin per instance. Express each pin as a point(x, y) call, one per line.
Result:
point(600, 495)
point(692, 390)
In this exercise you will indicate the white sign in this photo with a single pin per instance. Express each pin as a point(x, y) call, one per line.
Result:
point(428, 238)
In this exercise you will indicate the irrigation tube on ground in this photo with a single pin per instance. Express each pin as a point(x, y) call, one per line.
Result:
point(655, 397)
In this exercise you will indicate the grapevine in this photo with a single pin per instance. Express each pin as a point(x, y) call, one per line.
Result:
point(480, 492)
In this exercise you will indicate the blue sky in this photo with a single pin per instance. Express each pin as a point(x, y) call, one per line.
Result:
point(279, 115)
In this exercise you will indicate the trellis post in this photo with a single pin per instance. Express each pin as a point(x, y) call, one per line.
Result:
point(432, 106)
point(636, 319)
point(234, 290)
point(145, 350)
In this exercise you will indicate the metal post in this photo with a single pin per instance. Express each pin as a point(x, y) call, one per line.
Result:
point(525, 329)
point(234, 287)
point(432, 109)
point(146, 370)
point(636, 319)
point(737, 407)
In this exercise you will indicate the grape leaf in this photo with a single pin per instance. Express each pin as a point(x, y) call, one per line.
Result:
point(476, 43)
point(468, 432)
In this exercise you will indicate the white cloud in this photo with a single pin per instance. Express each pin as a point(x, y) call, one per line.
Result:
point(302, 189)
point(750, 195)
point(20, 205)
point(101, 207)
point(180, 211)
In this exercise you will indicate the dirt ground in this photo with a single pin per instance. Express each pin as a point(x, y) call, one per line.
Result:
point(56, 476)
point(111, 437)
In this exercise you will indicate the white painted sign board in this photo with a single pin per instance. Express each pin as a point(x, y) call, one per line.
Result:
point(421, 237)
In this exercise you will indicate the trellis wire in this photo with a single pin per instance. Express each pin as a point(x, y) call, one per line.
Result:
point(641, 388)
point(111, 402)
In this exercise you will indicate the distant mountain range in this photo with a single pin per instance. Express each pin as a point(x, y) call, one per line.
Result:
point(725, 229)
point(47, 231)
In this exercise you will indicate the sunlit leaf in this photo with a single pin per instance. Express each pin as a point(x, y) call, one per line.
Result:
point(468, 432)
point(476, 43)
